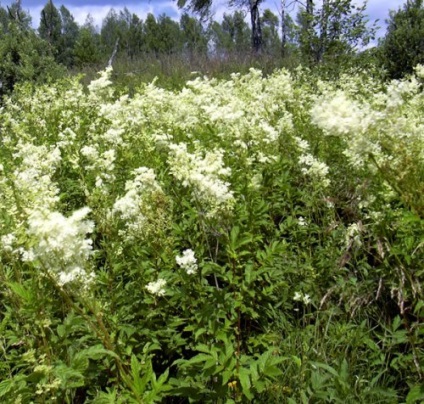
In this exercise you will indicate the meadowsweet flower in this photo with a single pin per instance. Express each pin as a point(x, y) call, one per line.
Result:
point(90, 152)
point(157, 288)
point(339, 115)
point(315, 169)
point(187, 261)
point(301, 221)
point(7, 242)
point(256, 181)
point(143, 183)
point(139, 207)
point(33, 177)
point(419, 71)
point(353, 235)
point(61, 244)
point(203, 174)
point(300, 297)
point(98, 87)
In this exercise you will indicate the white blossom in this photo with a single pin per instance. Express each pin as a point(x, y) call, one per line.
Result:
point(157, 288)
point(187, 261)
point(61, 244)
point(203, 174)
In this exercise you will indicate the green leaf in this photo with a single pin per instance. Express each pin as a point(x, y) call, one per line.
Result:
point(244, 377)
point(415, 393)
point(19, 289)
point(96, 352)
point(297, 361)
point(326, 367)
point(70, 378)
point(199, 358)
point(199, 332)
point(5, 387)
point(272, 371)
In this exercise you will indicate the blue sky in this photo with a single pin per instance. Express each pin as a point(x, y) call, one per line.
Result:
point(377, 9)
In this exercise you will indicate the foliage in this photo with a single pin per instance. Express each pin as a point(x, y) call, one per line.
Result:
point(402, 48)
point(231, 35)
point(256, 238)
point(24, 57)
point(87, 47)
point(334, 33)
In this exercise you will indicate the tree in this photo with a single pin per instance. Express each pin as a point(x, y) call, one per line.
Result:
point(203, 7)
point(135, 36)
point(193, 35)
point(403, 45)
point(255, 20)
point(87, 46)
point(50, 28)
point(18, 15)
point(271, 39)
point(24, 56)
point(233, 34)
point(333, 33)
point(169, 35)
point(70, 31)
point(151, 34)
point(111, 30)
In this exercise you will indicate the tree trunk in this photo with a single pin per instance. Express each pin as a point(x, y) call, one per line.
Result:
point(323, 35)
point(283, 29)
point(256, 26)
point(309, 28)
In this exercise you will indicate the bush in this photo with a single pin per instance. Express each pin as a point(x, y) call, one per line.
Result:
point(244, 239)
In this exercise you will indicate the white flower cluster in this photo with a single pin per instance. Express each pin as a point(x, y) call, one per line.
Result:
point(337, 114)
point(187, 261)
point(314, 168)
point(419, 71)
point(353, 235)
point(203, 175)
point(33, 178)
point(301, 297)
point(157, 288)
point(60, 244)
point(134, 205)
point(7, 242)
point(301, 221)
point(101, 86)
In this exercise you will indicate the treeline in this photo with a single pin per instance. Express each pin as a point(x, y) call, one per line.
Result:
point(74, 45)
point(332, 36)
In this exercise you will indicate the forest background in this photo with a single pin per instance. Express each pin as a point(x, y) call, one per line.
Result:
point(331, 36)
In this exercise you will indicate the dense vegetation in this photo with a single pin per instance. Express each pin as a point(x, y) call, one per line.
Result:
point(250, 236)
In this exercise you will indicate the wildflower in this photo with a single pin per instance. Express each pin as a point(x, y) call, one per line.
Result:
point(188, 262)
point(7, 242)
point(61, 243)
point(419, 71)
point(97, 87)
point(300, 297)
point(353, 235)
point(157, 288)
point(203, 174)
point(315, 169)
point(301, 221)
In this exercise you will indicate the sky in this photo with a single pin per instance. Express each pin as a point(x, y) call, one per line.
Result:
point(376, 9)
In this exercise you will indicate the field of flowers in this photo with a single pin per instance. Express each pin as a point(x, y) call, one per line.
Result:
point(256, 239)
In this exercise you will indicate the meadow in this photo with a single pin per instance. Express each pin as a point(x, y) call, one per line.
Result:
point(252, 239)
